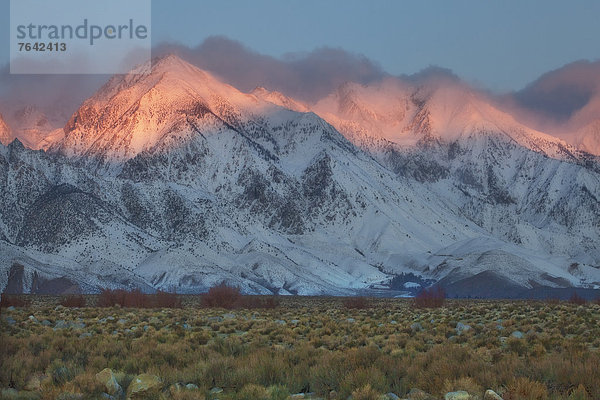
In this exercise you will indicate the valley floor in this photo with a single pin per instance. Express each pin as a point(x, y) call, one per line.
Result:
point(303, 348)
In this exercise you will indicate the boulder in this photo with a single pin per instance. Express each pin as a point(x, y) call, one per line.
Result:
point(460, 328)
point(142, 385)
point(458, 395)
point(107, 378)
point(491, 395)
point(517, 334)
point(416, 327)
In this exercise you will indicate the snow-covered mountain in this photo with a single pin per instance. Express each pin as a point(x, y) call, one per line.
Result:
point(522, 186)
point(169, 178)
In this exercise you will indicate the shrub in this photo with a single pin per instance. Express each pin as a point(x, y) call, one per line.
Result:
point(11, 300)
point(136, 299)
point(358, 303)
point(430, 298)
point(222, 296)
point(525, 388)
point(73, 301)
point(577, 299)
point(266, 302)
point(166, 300)
point(365, 393)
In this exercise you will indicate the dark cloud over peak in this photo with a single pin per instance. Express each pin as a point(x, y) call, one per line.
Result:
point(560, 93)
point(306, 76)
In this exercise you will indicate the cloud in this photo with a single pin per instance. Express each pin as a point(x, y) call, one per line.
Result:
point(51, 93)
point(560, 93)
point(306, 76)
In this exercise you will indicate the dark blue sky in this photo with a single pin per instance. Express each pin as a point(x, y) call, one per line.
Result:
point(500, 45)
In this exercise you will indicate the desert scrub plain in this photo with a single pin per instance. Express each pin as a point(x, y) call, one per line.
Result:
point(327, 348)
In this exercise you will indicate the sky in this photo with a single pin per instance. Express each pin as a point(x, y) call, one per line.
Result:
point(497, 45)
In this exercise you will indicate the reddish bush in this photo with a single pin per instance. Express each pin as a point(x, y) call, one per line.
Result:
point(73, 301)
point(166, 300)
point(257, 302)
point(136, 299)
point(552, 300)
point(430, 298)
point(222, 296)
point(356, 303)
point(598, 301)
point(577, 299)
point(11, 300)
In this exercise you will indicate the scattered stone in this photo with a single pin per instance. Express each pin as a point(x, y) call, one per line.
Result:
point(517, 334)
point(33, 319)
point(110, 318)
point(142, 385)
point(214, 319)
point(460, 328)
point(46, 322)
point(186, 326)
point(61, 324)
point(390, 396)
point(10, 320)
point(86, 335)
point(11, 308)
point(107, 378)
point(499, 327)
point(122, 321)
point(491, 395)
point(416, 327)
point(393, 322)
point(229, 316)
point(280, 322)
point(459, 395)
point(216, 390)
point(297, 396)
point(351, 320)
point(191, 386)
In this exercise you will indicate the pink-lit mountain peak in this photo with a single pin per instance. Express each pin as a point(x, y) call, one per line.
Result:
point(407, 113)
point(167, 100)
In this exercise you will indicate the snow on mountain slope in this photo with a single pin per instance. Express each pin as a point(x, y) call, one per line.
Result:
point(5, 133)
point(280, 99)
point(407, 114)
point(172, 179)
point(519, 185)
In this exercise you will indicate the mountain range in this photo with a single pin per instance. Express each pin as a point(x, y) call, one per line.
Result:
point(169, 178)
